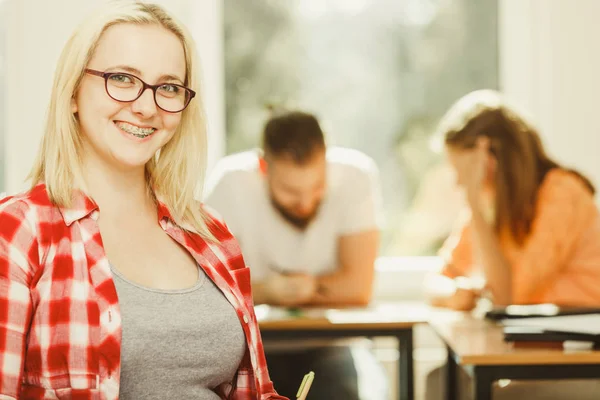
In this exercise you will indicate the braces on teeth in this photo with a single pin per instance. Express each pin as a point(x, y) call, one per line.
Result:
point(135, 131)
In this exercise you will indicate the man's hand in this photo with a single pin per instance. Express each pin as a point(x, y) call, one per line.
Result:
point(290, 289)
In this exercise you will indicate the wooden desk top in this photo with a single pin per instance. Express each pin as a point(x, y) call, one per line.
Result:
point(476, 341)
point(380, 316)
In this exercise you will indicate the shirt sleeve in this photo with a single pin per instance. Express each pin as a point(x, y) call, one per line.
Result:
point(222, 198)
point(220, 195)
point(18, 253)
point(457, 250)
point(361, 202)
point(564, 209)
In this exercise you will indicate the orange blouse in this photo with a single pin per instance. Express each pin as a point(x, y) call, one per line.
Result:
point(559, 261)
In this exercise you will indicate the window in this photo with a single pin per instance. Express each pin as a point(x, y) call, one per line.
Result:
point(379, 74)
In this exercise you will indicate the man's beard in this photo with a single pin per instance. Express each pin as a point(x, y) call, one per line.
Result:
point(298, 222)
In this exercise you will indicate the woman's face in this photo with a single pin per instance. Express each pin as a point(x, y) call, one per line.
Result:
point(469, 165)
point(127, 135)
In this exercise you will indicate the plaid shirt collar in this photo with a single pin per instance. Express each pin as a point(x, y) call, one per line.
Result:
point(82, 206)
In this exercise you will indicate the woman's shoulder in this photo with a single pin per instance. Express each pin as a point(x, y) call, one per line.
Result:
point(215, 222)
point(225, 240)
point(31, 208)
point(563, 189)
point(560, 181)
point(19, 204)
point(19, 214)
point(14, 207)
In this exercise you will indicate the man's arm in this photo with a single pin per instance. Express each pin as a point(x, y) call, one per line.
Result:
point(284, 290)
point(358, 243)
point(352, 283)
point(260, 293)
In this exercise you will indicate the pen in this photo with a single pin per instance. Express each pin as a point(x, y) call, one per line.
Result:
point(305, 386)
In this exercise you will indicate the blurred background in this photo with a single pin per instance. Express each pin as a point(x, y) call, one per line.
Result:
point(379, 74)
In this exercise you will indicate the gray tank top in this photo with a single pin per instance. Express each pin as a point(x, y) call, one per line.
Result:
point(177, 344)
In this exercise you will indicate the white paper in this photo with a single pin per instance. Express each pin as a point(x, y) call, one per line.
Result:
point(588, 323)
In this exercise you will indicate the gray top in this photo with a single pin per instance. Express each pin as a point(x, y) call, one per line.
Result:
point(177, 344)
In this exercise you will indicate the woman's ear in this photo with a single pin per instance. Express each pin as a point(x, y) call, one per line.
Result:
point(74, 108)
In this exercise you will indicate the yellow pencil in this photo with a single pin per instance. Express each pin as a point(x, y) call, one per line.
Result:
point(305, 386)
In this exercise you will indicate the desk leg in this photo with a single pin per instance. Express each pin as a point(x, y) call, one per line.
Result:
point(483, 381)
point(451, 376)
point(405, 365)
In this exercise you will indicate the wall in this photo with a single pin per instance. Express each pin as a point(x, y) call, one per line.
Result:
point(33, 43)
point(549, 64)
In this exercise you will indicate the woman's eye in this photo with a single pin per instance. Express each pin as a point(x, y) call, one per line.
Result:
point(121, 78)
point(169, 88)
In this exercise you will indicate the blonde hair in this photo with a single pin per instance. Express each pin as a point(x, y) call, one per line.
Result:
point(178, 168)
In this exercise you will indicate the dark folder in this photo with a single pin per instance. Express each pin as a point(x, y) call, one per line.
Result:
point(533, 334)
point(536, 337)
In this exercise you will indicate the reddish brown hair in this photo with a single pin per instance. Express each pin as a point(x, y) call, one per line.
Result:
point(522, 162)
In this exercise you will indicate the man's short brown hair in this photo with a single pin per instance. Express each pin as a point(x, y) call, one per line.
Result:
point(293, 134)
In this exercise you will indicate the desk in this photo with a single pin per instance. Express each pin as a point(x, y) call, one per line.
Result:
point(478, 346)
point(390, 319)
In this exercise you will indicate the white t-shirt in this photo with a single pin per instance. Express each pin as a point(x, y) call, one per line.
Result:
point(351, 204)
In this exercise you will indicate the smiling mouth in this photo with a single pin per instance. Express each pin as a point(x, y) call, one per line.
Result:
point(135, 130)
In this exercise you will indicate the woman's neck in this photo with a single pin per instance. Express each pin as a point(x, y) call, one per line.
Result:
point(117, 191)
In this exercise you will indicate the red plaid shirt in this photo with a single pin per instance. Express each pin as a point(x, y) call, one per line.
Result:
point(60, 326)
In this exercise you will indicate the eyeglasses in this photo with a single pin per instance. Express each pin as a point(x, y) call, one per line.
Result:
point(127, 88)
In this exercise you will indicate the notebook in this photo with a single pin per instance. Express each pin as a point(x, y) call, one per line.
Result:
point(537, 310)
point(588, 324)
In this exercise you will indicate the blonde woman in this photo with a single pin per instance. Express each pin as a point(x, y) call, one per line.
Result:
point(114, 282)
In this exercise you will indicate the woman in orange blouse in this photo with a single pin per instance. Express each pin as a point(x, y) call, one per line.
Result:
point(533, 230)
point(532, 233)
